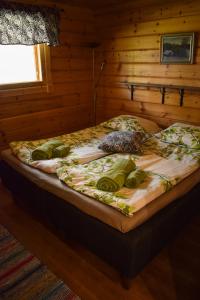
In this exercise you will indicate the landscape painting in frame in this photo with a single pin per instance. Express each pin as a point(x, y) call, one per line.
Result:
point(177, 48)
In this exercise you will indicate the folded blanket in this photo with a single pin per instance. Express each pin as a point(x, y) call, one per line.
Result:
point(135, 178)
point(115, 178)
point(60, 151)
point(45, 150)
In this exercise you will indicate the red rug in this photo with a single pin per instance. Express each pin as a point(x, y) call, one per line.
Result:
point(24, 277)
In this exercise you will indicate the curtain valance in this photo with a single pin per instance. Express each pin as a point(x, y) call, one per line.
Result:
point(22, 24)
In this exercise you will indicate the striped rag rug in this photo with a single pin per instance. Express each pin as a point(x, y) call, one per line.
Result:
point(24, 277)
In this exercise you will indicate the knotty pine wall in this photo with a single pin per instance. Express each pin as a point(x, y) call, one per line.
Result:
point(130, 47)
point(68, 106)
point(130, 41)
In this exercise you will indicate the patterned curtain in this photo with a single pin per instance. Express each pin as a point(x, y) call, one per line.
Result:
point(28, 24)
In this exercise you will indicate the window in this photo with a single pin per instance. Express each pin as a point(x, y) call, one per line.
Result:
point(23, 67)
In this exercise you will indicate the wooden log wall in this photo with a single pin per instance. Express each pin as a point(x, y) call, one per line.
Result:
point(130, 48)
point(67, 107)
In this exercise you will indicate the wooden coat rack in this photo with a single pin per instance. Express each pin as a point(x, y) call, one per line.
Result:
point(162, 88)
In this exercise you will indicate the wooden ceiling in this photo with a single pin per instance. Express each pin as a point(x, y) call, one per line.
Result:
point(98, 4)
point(92, 4)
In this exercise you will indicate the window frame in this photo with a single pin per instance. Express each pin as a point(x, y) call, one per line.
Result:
point(42, 60)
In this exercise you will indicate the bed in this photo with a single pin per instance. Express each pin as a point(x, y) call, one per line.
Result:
point(127, 243)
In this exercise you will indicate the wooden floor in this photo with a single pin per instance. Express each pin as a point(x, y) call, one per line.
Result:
point(173, 274)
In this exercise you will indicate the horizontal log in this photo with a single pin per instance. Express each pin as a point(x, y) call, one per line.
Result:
point(22, 106)
point(71, 64)
point(70, 52)
point(153, 70)
point(77, 39)
point(42, 124)
point(131, 43)
point(172, 25)
point(57, 89)
point(126, 12)
point(150, 96)
point(131, 56)
point(77, 26)
point(76, 13)
point(154, 109)
point(116, 79)
point(72, 76)
point(77, 88)
point(126, 6)
point(134, 56)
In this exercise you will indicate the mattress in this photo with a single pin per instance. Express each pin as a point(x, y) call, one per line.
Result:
point(97, 209)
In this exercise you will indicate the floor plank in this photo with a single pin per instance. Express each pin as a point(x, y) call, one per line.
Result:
point(172, 275)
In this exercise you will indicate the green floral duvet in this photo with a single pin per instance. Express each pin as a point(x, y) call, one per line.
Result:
point(165, 161)
point(164, 171)
point(83, 148)
point(181, 134)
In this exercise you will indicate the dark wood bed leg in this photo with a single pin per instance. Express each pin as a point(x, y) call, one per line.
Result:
point(126, 282)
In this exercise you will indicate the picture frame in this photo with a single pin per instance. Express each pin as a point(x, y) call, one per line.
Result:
point(177, 48)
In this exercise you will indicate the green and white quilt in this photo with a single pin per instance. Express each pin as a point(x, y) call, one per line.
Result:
point(165, 160)
point(181, 134)
point(164, 171)
point(83, 148)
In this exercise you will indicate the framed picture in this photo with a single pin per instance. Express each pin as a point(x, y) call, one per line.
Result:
point(177, 48)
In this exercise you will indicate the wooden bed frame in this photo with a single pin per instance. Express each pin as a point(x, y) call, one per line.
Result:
point(127, 252)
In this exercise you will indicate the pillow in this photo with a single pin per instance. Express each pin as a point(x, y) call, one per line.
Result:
point(181, 134)
point(148, 125)
point(131, 123)
point(122, 142)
